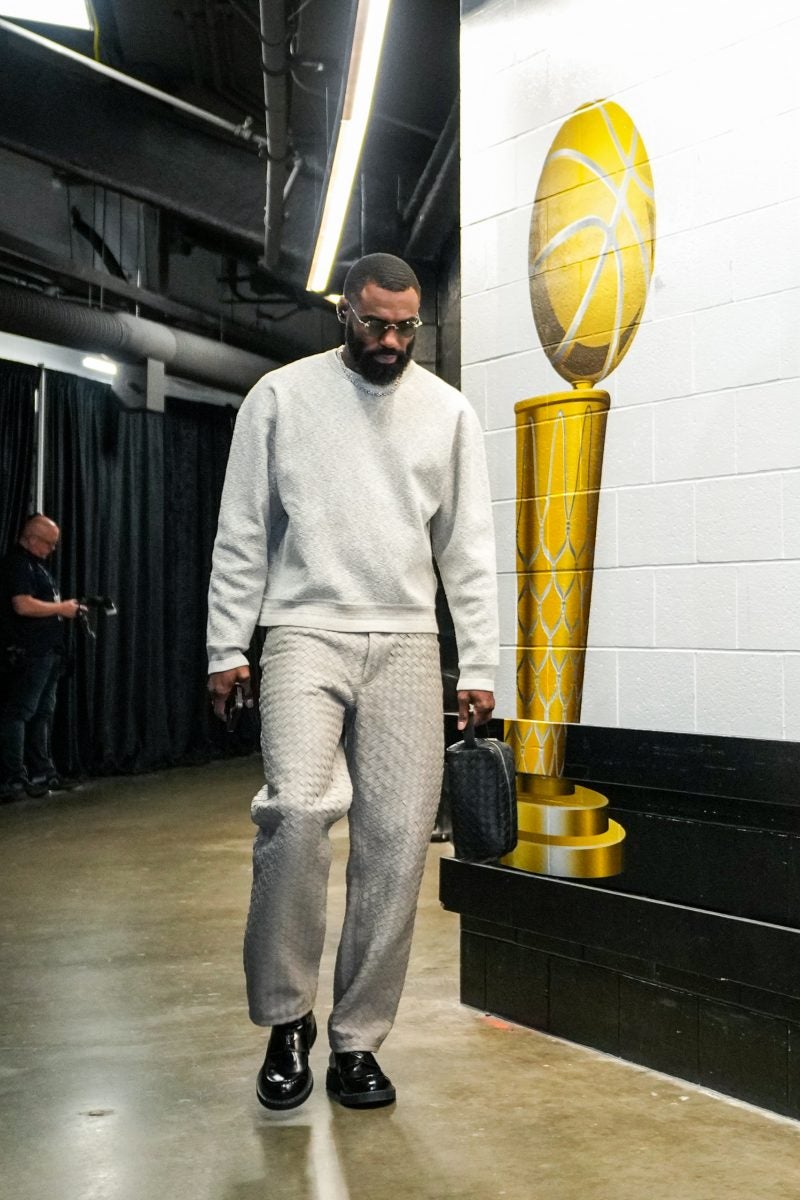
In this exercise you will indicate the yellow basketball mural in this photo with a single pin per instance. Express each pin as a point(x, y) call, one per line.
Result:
point(592, 242)
point(592, 246)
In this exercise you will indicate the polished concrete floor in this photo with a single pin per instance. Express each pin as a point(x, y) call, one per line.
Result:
point(128, 1062)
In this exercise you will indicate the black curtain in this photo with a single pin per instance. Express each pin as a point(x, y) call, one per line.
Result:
point(17, 419)
point(197, 439)
point(136, 495)
point(104, 487)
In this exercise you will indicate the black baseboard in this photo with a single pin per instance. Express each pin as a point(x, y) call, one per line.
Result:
point(688, 962)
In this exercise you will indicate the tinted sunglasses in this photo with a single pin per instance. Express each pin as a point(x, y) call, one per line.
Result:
point(376, 327)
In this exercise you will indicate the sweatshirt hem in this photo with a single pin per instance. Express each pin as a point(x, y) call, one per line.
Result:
point(351, 618)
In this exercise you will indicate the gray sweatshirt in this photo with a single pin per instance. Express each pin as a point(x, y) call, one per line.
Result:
point(337, 494)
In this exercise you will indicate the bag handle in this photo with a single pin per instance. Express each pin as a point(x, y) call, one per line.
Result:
point(470, 740)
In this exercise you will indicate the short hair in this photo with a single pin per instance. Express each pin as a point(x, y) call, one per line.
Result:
point(386, 270)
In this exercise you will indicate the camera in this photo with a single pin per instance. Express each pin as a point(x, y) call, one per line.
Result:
point(101, 604)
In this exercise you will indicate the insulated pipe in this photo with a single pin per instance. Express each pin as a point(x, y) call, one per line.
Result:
point(275, 67)
point(132, 339)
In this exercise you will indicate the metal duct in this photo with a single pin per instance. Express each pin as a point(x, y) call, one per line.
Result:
point(131, 339)
point(275, 67)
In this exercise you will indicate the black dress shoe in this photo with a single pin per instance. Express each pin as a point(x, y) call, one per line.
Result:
point(356, 1081)
point(285, 1079)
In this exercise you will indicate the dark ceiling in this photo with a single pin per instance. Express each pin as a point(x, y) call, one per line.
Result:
point(108, 191)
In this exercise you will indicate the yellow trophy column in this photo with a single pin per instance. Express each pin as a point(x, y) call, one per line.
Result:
point(563, 829)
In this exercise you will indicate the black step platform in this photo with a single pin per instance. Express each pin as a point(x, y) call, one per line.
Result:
point(688, 962)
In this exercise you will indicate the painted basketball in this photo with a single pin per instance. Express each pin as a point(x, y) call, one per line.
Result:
point(592, 242)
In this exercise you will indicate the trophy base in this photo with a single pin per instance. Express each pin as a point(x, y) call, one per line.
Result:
point(563, 831)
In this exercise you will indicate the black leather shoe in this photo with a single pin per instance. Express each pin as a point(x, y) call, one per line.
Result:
point(356, 1081)
point(285, 1079)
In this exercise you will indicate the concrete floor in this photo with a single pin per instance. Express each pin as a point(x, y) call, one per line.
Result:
point(128, 1063)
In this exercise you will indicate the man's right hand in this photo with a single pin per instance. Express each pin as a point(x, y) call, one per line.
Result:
point(221, 684)
point(29, 606)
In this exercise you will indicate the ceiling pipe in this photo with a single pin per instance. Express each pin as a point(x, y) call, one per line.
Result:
point(438, 213)
point(274, 61)
point(28, 265)
point(243, 131)
point(432, 211)
point(448, 139)
point(131, 339)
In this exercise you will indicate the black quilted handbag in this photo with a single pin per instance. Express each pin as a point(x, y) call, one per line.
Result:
point(480, 781)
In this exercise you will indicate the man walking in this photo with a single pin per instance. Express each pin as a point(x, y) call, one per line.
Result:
point(349, 472)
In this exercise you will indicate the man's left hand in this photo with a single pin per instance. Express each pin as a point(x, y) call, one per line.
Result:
point(482, 704)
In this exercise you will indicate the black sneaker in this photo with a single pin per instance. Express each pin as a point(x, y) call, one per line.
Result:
point(36, 787)
point(62, 783)
point(13, 790)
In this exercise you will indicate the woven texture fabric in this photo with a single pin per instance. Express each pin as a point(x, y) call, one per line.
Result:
point(351, 723)
point(481, 784)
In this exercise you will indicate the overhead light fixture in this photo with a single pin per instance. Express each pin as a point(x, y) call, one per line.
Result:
point(365, 55)
point(73, 13)
point(104, 365)
point(333, 298)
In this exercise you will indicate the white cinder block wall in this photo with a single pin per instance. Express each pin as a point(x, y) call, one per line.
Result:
point(695, 621)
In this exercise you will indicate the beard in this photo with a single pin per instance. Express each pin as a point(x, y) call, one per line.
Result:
point(365, 360)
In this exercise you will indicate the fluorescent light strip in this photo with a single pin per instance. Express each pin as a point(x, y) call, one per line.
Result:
point(50, 12)
point(370, 29)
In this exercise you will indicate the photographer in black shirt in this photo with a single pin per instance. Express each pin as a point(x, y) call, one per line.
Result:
point(32, 650)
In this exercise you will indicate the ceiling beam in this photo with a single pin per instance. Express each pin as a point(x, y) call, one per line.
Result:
point(53, 112)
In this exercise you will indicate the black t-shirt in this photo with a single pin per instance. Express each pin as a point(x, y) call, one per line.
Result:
point(23, 574)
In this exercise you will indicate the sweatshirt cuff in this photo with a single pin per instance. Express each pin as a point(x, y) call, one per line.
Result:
point(227, 662)
point(471, 681)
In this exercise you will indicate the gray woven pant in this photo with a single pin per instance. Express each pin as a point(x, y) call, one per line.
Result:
point(351, 723)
